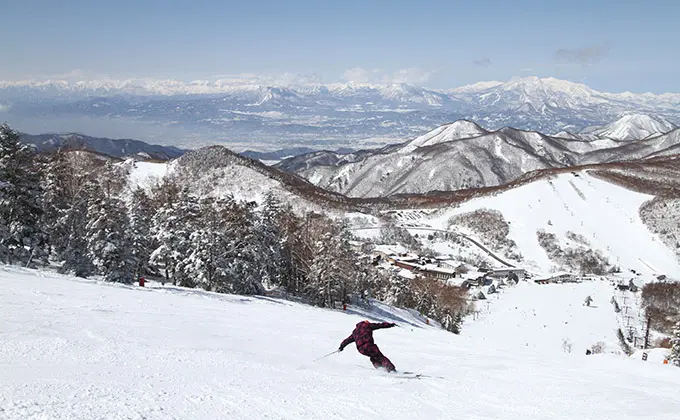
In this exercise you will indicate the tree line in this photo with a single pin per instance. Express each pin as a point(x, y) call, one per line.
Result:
point(76, 211)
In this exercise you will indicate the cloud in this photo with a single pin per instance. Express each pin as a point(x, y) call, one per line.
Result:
point(585, 56)
point(412, 75)
point(483, 62)
point(267, 79)
point(362, 75)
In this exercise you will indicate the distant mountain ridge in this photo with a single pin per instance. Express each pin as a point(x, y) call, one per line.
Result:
point(463, 155)
point(324, 116)
point(119, 148)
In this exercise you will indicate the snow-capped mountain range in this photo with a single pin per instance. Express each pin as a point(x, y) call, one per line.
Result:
point(464, 155)
point(246, 114)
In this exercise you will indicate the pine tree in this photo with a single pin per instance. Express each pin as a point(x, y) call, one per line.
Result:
point(56, 203)
point(74, 252)
point(21, 234)
point(675, 346)
point(330, 276)
point(172, 226)
point(109, 241)
point(270, 239)
point(205, 264)
point(245, 266)
point(141, 217)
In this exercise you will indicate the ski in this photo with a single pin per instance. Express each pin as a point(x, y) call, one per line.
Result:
point(406, 375)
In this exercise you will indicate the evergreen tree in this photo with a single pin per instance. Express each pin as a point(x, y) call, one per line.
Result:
point(205, 263)
point(675, 346)
point(57, 202)
point(141, 217)
point(172, 226)
point(21, 234)
point(74, 253)
point(270, 238)
point(109, 241)
point(330, 278)
point(245, 266)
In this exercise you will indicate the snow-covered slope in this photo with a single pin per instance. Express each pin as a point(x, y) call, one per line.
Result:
point(216, 171)
point(554, 312)
point(633, 127)
point(604, 214)
point(662, 145)
point(458, 130)
point(464, 155)
point(89, 350)
point(444, 160)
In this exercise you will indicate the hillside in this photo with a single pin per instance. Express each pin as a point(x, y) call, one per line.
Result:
point(582, 211)
point(462, 155)
point(94, 350)
point(632, 127)
point(217, 171)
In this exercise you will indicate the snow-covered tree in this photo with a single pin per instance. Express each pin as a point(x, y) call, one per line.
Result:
point(21, 233)
point(109, 241)
point(271, 238)
point(330, 271)
point(141, 215)
point(172, 226)
point(675, 346)
point(74, 251)
point(57, 200)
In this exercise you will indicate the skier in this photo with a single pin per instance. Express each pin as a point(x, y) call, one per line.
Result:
point(363, 336)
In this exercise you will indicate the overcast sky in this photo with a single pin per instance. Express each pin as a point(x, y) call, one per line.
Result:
point(610, 45)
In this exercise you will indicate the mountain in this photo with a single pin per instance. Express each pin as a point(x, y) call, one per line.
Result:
point(252, 115)
point(444, 162)
point(216, 170)
point(463, 155)
point(287, 153)
point(461, 129)
point(632, 127)
point(120, 148)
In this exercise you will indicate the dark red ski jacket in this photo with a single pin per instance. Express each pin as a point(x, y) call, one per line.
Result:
point(363, 335)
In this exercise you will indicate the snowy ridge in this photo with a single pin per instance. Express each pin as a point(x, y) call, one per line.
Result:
point(268, 113)
point(71, 356)
point(633, 127)
point(218, 172)
point(463, 155)
point(461, 129)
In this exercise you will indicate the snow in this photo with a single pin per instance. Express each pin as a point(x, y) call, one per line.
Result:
point(390, 249)
point(145, 174)
point(606, 214)
point(635, 127)
point(79, 349)
point(541, 318)
point(458, 130)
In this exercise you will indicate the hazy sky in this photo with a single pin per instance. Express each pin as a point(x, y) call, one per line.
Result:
point(610, 45)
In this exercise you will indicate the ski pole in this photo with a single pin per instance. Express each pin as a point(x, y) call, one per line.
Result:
point(323, 357)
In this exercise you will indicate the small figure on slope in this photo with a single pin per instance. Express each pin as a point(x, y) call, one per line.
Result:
point(588, 301)
point(363, 336)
